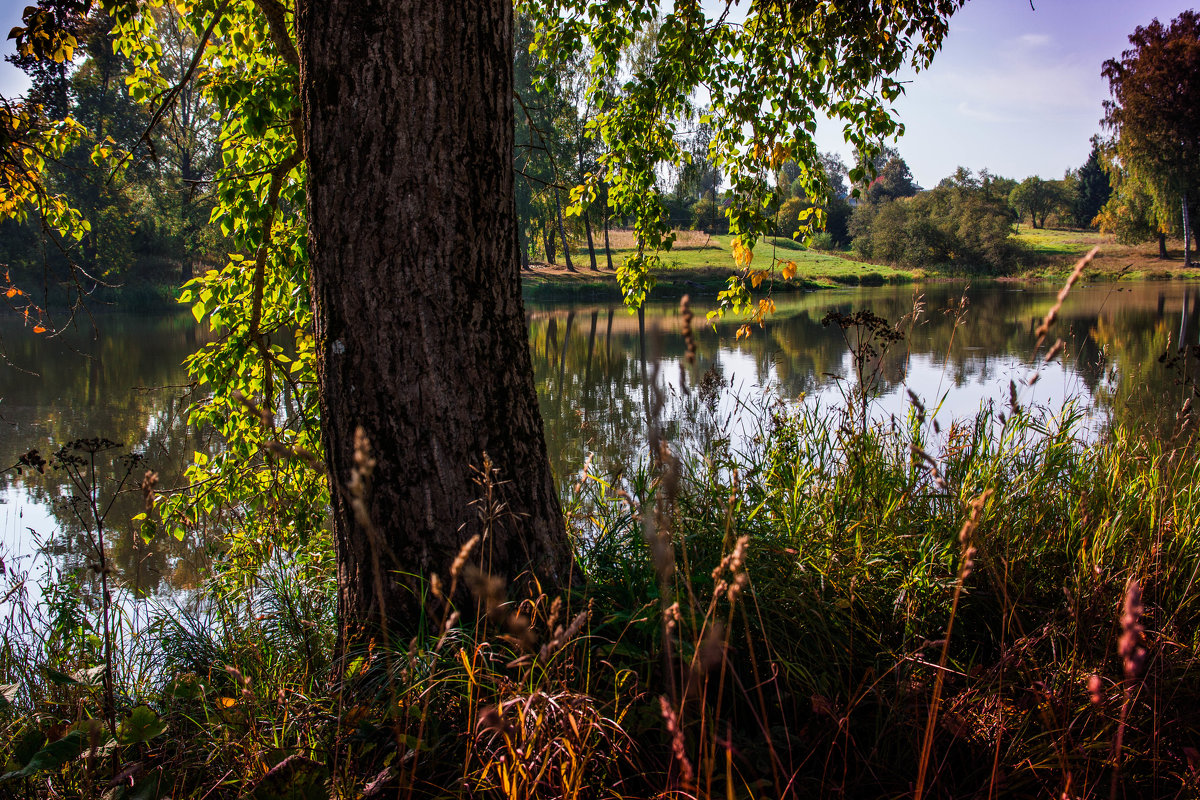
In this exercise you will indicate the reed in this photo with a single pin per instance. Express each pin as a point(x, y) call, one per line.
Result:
point(1003, 608)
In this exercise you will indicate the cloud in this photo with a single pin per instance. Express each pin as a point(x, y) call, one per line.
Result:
point(1034, 40)
point(983, 115)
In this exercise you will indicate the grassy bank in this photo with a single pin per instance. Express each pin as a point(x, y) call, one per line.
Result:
point(701, 265)
point(1053, 253)
point(995, 610)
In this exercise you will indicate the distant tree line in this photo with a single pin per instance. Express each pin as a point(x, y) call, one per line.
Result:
point(965, 223)
point(149, 224)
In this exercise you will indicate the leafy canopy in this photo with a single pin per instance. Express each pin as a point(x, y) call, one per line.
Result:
point(1155, 87)
point(768, 76)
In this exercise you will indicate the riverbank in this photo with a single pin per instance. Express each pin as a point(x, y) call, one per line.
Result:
point(832, 612)
point(1055, 251)
point(701, 265)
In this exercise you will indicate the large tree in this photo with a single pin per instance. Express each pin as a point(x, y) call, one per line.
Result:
point(420, 329)
point(1155, 87)
point(1039, 199)
point(1092, 188)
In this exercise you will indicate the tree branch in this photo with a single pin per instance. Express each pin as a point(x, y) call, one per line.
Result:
point(169, 100)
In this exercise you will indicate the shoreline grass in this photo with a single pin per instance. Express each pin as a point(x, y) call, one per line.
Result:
point(764, 623)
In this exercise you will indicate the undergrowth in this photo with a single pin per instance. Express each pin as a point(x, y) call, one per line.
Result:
point(766, 619)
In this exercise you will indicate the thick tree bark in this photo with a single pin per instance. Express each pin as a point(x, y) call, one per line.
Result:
point(1162, 245)
point(420, 328)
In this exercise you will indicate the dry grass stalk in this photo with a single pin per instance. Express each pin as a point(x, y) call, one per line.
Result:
point(678, 748)
point(1054, 351)
point(1133, 659)
point(966, 566)
point(562, 636)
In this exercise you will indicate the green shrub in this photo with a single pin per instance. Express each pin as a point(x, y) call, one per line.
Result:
point(822, 241)
point(787, 220)
point(708, 216)
point(959, 227)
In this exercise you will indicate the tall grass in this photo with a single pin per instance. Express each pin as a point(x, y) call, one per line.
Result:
point(807, 613)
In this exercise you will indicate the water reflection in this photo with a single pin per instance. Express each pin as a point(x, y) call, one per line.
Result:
point(124, 381)
point(963, 347)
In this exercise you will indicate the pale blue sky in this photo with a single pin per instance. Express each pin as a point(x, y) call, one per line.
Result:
point(1015, 89)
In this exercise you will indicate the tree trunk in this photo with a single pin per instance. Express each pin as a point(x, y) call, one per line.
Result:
point(1162, 245)
point(562, 232)
point(587, 212)
point(562, 362)
point(420, 329)
point(587, 226)
point(587, 371)
point(608, 340)
point(523, 248)
point(548, 241)
point(607, 248)
point(1187, 233)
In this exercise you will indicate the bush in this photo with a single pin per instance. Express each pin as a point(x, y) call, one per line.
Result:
point(870, 279)
point(837, 221)
point(787, 220)
point(822, 241)
point(952, 226)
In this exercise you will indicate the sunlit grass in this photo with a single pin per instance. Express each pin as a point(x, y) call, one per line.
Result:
point(700, 252)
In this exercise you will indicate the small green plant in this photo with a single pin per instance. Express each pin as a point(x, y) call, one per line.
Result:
point(869, 338)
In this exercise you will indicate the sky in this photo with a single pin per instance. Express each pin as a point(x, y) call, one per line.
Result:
point(1016, 87)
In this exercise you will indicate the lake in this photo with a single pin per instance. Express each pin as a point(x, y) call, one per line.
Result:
point(596, 375)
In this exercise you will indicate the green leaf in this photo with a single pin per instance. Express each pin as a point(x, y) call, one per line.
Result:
point(90, 676)
point(52, 756)
point(142, 725)
point(60, 678)
point(27, 745)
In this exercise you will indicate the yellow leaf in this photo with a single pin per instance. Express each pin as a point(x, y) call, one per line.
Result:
point(11, 293)
point(38, 329)
point(789, 270)
point(756, 278)
point(742, 255)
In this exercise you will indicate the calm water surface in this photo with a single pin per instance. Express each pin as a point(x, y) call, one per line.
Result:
point(124, 381)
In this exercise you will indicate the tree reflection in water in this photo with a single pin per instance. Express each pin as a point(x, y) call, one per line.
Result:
point(126, 383)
